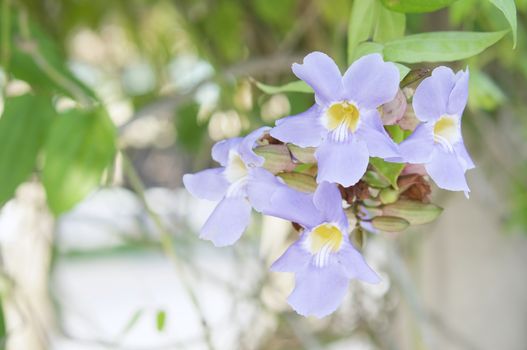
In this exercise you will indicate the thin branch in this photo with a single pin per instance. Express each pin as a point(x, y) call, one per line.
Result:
point(167, 246)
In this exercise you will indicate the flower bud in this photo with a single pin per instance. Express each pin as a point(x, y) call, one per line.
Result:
point(358, 238)
point(416, 213)
point(390, 223)
point(277, 158)
point(393, 111)
point(388, 195)
point(300, 182)
point(303, 155)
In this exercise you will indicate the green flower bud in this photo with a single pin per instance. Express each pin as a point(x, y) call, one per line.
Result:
point(277, 158)
point(300, 182)
point(388, 196)
point(390, 223)
point(416, 213)
point(303, 155)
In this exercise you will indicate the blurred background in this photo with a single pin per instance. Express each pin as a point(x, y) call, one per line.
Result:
point(124, 269)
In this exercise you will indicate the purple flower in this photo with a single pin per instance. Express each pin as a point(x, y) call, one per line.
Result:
point(344, 122)
point(322, 259)
point(229, 185)
point(437, 143)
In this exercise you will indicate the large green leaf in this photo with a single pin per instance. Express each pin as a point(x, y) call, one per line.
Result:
point(23, 128)
point(80, 145)
point(439, 46)
point(390, 25)
point(508, 7)
point(360, 25)
point(416, 6)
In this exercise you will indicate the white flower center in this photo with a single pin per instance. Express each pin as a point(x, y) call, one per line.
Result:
point(322, 241)
point(447, 131)
point(236, 168)
point(342, 118)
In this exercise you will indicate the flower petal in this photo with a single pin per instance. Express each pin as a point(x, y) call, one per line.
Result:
point(221, 149)
point(261, 185)
point(458, 98)
point(431, 96)
point(295, 206)
point(227, 222)
point(379, 143)
point(319, 291)
point(328, 201)
point(354, 264)
point(446, 170)
point(294, 259)
point(418, 147)
point(207, 184)
point(462, 153)
point(321, 73)
point(371, 82)
point(246, 146)
point(343, 163)
point(304, 129)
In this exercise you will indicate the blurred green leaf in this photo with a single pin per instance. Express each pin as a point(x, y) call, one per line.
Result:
point(416, 6)
point(366, 48)
point(294, 86)
point(483, 92)
point(439, 46)
point(390, 25)
point(161, 317)
point(189, 130)
point(403, 70)
point(133, 321)
point(389, 171)
point(80, 145)
point(37, 60)
point(23, 128)
point(360, 26)
point(509, 11)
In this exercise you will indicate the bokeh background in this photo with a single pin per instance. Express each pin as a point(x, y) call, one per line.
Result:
point(124, 268)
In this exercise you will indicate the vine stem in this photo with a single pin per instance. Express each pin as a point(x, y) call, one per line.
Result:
point(166, 245)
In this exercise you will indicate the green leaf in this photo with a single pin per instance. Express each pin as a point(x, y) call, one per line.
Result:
point(80, 145)
point(294, 86)
point(403, 70)
point(39, 61)
point(508, 7)
point(416, 6)
point(390, 171)
point(390, 25)
point(366, 48)
point(161, 317)
point(439, 46)
point(360, 25)
point(484, 93)
point(23, 128)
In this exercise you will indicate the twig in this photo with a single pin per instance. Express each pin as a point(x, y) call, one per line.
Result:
point(166, 244)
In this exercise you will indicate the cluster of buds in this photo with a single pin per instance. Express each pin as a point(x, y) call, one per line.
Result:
point(359, 161)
